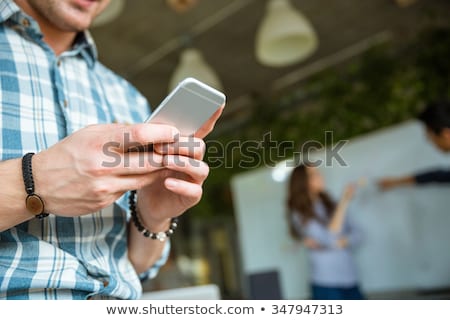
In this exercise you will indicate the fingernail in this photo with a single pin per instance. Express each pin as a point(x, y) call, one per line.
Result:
point(175, 134)
point(171, 184)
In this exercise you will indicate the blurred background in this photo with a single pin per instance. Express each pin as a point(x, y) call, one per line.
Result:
point(293, 70)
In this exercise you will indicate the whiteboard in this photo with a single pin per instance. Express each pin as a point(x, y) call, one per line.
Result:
point(406, 231)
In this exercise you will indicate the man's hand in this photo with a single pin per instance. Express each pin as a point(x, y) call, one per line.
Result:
point(92, 168)
point(178, 186)
point(173, 189)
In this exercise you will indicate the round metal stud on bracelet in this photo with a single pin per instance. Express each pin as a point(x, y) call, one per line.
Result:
point(34, 203)
point(161, 236)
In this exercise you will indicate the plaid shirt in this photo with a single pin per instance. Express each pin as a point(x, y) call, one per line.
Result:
point(44, 98)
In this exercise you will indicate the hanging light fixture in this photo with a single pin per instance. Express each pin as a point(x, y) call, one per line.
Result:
point(404, 3)
point(181, 6)
point(285, 36)
point(192, 64)
point(112, 11)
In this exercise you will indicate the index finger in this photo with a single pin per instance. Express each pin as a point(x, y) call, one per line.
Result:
point(143, 134)
point(209, 125)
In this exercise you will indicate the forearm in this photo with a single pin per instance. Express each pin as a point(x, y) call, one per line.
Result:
point(390, 183)
point(337, 220)
point(144, 252)
point(404, 181)
point(12, 195)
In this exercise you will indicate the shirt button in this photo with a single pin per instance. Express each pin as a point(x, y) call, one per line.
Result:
point(105, 283)
point(65, 103)
point(58, 62)
point(25, 22)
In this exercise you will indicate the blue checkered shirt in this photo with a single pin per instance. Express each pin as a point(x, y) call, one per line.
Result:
point(44, 98)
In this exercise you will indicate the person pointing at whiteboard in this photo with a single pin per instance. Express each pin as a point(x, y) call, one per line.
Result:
point(436, 118)
point(326, 230)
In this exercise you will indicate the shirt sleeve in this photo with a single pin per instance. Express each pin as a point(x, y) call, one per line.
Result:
point(122, 202)
point(315, 231)
point(353, 233)
point(320, 233)
point(434, 176)
point(297, 224)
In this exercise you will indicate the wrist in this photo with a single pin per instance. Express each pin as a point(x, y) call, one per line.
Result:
point(34, 202)
point(151, 220)
point(410, 180)
point(156, 229)
point(154, 225)
point(13, 211)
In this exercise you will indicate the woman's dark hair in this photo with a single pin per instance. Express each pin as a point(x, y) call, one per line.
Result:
point(299, 200)
point(436, 116)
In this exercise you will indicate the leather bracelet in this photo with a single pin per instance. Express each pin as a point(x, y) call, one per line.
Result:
point(33, 202)
point(161, 236)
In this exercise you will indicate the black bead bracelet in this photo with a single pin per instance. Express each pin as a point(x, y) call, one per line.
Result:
point(161, 236)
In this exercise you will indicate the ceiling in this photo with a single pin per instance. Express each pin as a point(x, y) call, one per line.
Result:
point(143, 44)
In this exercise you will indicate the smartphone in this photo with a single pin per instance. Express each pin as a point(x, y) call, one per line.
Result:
point(188, 106)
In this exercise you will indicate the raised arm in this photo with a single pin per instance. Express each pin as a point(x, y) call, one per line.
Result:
point(432, 176)
point(338, 217)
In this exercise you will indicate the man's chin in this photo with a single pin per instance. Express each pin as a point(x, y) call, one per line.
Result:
point(77, 25)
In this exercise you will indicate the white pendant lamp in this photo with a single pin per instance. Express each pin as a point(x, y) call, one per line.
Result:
point(181, 6)
point(112, 11)
point(192, 64)
point(285, 36)
point(404, 3)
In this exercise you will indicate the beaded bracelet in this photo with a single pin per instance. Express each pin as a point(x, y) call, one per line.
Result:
point(161, 236)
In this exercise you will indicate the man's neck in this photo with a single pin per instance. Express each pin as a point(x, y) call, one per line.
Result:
point(57, 39)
